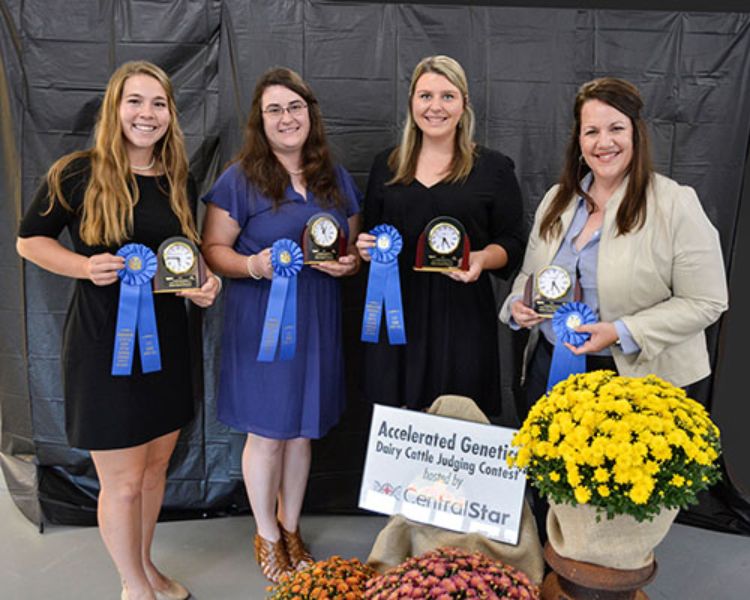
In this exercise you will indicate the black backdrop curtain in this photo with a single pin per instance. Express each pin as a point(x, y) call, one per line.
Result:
point(524, 66)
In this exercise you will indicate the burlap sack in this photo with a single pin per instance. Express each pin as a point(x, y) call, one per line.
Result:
point(619, 543)
point(402, 538)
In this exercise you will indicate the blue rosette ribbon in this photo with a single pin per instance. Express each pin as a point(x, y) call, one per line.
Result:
point(564, 322)
point(384, 287)
point(135, 312)
point(281, 311)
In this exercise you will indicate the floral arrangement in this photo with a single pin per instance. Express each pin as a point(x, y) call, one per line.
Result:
point(334, 577)
point(626, 445)
point(447, 573)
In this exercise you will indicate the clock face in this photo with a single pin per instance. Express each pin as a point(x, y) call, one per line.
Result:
point(324, 232)
point(553, 282)
point(179, 257)
point(444, 238)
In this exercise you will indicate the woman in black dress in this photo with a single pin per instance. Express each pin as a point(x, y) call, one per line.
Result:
point(131, 186)
point(450, 318)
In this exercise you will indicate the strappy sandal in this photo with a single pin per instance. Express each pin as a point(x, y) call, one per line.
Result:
point(299, 556)
point(272, 558)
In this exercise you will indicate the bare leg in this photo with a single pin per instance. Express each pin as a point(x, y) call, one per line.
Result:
point(152, 493)
point(297, 453)
point(119, 512)
point(262, 464)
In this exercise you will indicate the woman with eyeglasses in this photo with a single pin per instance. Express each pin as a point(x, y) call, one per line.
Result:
point(283, 175)
point(450, 318)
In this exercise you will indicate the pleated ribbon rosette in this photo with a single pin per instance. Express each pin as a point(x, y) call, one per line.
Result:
point(135, 312)
point(280, 322)
point(564, 322)
point(384, 288)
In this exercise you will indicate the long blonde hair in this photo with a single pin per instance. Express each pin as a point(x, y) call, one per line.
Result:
point(112, 192)
point(403, 159)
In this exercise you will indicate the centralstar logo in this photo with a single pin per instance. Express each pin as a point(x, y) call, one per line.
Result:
point(455, 506)
point(388, 489)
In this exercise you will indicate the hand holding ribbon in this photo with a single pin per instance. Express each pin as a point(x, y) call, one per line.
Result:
point(135, 312)
point(565, 321)
point(281, 310)
point(384, 286)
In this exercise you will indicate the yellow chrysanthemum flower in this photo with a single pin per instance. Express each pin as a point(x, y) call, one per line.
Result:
point(677, 480)
point(582, 494)
point(629, 439)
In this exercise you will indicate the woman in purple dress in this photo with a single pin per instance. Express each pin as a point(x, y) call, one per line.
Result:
point(283, 176)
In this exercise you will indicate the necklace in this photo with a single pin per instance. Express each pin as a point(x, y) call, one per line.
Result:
point(144, 167)
point(299, 172)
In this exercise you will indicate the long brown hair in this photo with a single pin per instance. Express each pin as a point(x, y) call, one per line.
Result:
point(403, 159)
point(260, 164)
point(623, 96)
point(112, 192)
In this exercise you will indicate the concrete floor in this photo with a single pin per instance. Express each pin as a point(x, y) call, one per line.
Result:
point(214, 558)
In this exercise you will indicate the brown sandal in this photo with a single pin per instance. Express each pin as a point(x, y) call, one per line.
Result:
point(272, 558)
point(299, 556)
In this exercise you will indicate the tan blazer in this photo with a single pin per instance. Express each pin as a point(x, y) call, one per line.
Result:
point(666, 281)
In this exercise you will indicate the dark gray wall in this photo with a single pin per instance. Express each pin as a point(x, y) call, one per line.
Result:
point(524, 65)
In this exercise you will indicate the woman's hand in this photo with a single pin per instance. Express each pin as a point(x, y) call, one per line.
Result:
point(261, 263)
point(206, 294)
point(365, 241)
point(102, 269)
point(492, 256)
point(345, 265)
point(603, 335)
point(476, 266)
point(523, 315)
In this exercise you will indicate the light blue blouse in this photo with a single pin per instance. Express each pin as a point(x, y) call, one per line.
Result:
point(583, 264)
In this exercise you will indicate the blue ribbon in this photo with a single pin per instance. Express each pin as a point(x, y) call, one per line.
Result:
point(135, 312)
point(384, 285)
point(281, 311)
point(564, 321)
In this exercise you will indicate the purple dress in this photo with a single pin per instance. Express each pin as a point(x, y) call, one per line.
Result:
point(302, 397)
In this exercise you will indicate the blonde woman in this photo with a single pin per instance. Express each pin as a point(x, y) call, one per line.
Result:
point(450, 318)
point(131, 186)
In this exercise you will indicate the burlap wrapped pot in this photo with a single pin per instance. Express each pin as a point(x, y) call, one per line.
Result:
point(619, 543)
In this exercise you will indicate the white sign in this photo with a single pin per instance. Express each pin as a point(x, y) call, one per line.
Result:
point(445, 472)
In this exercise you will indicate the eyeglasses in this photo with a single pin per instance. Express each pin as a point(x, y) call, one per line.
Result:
point(275, 111)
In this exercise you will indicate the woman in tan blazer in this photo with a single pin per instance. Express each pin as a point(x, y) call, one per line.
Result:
point(646, 258)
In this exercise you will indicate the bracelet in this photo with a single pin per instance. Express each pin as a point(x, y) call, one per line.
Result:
point(219, 281)
point(250, 270)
